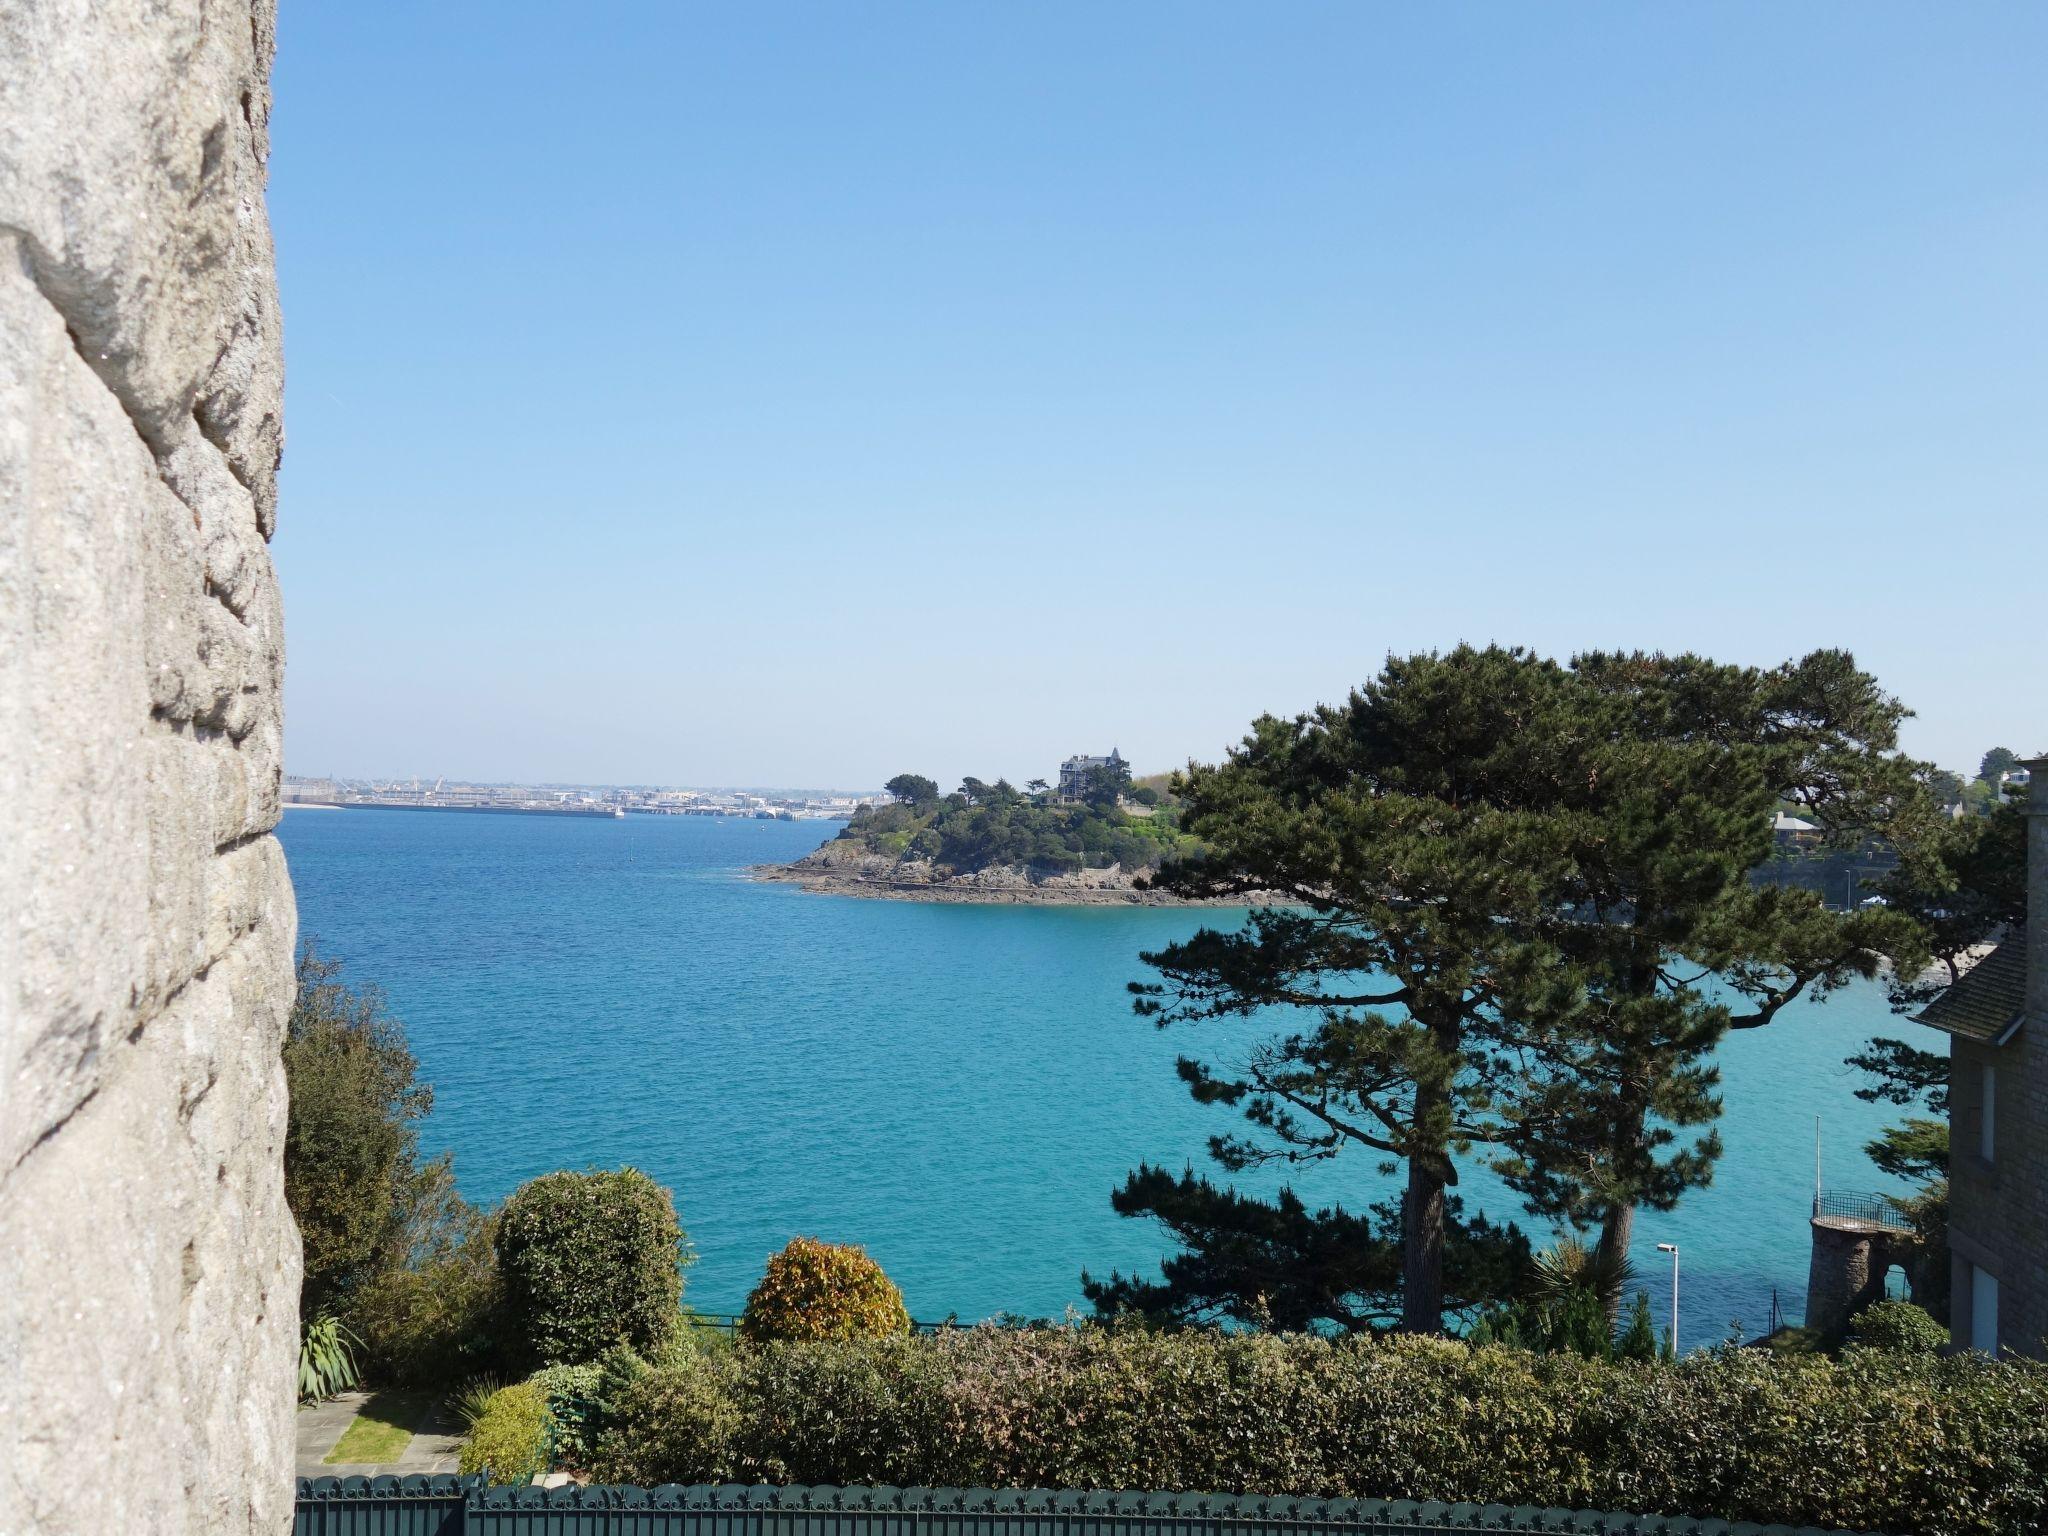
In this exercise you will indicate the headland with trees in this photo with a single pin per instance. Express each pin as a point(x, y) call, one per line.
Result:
point(994, 842)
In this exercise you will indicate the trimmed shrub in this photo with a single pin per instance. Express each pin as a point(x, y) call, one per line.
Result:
point(509, 1439)
point(1879, 1440)
point(815, 1290)
point(589, 1260)
point(1897, 1325)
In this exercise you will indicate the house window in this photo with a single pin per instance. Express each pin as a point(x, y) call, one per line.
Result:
point(1983, 1310)
point(1985, 1121)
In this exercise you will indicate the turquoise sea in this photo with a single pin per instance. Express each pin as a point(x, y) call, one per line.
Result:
point(956, 1087)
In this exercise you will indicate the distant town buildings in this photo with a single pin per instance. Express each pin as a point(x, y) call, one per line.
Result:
point(1996, 1018)
point(1075, 770)
point(572, 799)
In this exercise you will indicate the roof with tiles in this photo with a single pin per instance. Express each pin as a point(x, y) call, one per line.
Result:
point(1989, 1002)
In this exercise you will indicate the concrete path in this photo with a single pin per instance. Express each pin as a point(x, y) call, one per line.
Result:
point(320, 1425)
point(434, 1447)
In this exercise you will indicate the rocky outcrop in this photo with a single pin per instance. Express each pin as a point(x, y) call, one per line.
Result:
point(843, 867)
point(148, 1266)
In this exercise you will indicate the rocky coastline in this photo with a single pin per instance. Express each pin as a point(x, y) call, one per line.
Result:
point(841, 869)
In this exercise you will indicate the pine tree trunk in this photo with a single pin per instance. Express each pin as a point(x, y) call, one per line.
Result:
point(1422, 1257)
point(1617, 1229)
point(1618, 1221)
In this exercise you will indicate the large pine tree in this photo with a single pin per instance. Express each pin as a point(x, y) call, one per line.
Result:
point(1405, 846)
point(1508, 907)
point(1685, 760)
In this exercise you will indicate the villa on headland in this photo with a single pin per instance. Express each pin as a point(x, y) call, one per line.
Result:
point(1075, 770)
point(1996, 1018)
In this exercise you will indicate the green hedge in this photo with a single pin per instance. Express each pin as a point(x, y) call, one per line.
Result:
point(589, 1260)
point(1898, 1325)
point(1878, 1440)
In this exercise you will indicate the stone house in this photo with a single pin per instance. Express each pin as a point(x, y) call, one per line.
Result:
point(1075, 770)
point(1996, 1018)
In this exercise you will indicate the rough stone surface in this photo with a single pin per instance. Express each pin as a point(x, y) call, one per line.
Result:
point(148, 1266)
point(1847, 1267)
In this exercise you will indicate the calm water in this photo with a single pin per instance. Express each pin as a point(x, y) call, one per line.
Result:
point(957, 1087)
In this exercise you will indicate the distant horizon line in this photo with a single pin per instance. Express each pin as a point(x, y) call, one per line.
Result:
point(637, 784)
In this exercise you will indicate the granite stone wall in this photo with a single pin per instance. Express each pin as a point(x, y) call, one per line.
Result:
point(148, 1265)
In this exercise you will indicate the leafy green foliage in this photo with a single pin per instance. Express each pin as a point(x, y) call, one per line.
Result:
point(913, 789)
point(327, 1362)
point(469, 1401)
point(1568, 1267)
point(1997, 762)
point(440, 1317)
point(1914, 1149)
point(1962, 886)
point(390, 1247)
point(351, 1172)
point(509, 1439)
point(1276, 1264)
point(1574, 1292)
point(571, 1393)
point(1877, 1440)
point(672, 1423)
point(818, 1290)
point(1903, 1074)
point(1105, 784)
point(1897, 1325)
point(1573, 1322)
point(985, 826)
point(589, 1260)
point(1638, 1339)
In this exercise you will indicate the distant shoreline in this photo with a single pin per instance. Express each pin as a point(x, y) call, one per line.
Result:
point(994, 888)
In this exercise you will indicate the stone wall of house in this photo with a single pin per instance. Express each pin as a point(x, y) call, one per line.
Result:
point(148, 1265)
point(1998, 1211)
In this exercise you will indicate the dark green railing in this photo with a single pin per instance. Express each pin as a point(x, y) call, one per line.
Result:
point(384, 1506)
point(462, 1507)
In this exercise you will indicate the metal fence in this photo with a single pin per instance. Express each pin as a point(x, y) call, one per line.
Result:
point(463, 1507)
point(1868, 1209)
point(384, 1506)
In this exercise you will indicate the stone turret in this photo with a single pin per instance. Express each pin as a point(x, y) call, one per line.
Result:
point(1857, 1241)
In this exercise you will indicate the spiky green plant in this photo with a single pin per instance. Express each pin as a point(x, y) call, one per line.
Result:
point(1569, 1265)
point(327, 1362)
point(473, 1397)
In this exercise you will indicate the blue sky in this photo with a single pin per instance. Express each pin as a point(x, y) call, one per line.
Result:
point(797, 394)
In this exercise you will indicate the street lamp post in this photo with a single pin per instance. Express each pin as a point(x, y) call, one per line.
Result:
point(1672, 1249)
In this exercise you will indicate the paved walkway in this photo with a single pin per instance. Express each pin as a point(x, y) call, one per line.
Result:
point(435, 1444)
